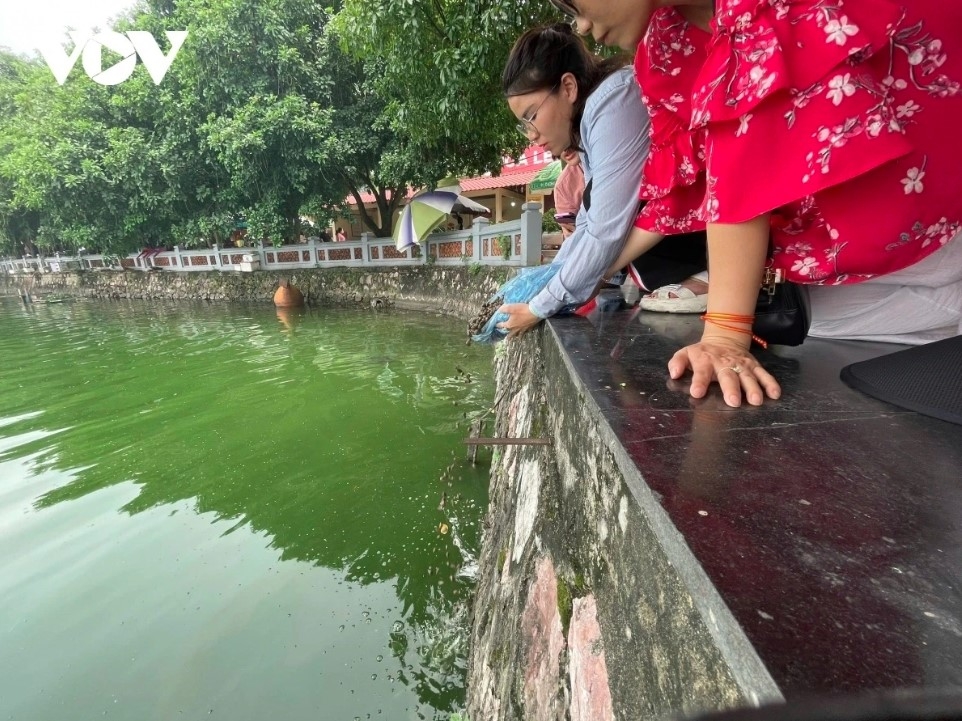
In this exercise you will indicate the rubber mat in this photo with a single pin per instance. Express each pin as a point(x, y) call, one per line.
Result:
point(926, 379)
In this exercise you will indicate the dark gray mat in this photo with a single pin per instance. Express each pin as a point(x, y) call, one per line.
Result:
point(926, 379)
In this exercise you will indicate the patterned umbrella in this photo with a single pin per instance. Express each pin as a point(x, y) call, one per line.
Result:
point(427, 210)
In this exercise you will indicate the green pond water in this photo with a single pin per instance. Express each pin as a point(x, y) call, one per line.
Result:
point(220, 512)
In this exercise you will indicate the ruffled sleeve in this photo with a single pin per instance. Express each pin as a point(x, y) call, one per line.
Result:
point(793, 99)
point(666, 65)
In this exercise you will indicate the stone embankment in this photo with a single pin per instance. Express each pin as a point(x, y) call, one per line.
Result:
point(453, 290)
point(588, 604)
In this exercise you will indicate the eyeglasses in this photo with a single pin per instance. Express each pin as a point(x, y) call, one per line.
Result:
point(566, 7)
point(527, 126)
point(570, 12)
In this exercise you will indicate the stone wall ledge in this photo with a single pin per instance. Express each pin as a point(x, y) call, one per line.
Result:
point(452, 290)
point(669, 556)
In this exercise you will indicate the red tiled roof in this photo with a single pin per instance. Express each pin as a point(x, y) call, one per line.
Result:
point(467, 184)
point(368, 198)
point(514, 172)
point(501, 181)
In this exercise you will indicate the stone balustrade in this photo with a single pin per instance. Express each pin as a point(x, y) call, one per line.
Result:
point(515, 243)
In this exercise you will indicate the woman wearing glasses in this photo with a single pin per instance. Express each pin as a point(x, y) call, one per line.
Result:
point(820, 134)
point(566, 98)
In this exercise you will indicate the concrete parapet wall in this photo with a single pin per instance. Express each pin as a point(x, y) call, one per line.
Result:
point(456, 291)
point(589, 603)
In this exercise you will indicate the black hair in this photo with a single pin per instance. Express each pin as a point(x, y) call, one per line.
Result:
point(543, 54)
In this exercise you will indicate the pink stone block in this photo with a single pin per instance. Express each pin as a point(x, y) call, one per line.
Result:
point(590, 693)
point(543, 644)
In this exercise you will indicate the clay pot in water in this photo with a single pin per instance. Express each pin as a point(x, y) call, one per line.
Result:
point(287, 296)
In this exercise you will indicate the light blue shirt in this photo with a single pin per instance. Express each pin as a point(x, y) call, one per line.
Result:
point(614, 136)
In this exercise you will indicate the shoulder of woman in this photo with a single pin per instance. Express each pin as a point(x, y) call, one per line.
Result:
point(615, 119)
point(616, 79)
point(619, 87)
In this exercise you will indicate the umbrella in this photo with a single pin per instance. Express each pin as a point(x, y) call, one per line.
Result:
point(427, 210)
point(546, 178)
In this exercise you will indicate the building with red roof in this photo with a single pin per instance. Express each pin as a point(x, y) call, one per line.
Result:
point(503, 193)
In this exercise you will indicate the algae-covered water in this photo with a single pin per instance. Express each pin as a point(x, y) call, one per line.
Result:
point(223, 512)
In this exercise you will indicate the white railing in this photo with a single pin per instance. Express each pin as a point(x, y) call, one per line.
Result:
point(516, 243)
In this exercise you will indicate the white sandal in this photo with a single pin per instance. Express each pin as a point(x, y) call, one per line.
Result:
point(685, 300)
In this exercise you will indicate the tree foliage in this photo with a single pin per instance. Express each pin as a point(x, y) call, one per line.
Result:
point(77, 163)
point(252, 94)
point(260, 117)
point(440, 67)
point(272, 109)
point(16, 219)
point(370, 155)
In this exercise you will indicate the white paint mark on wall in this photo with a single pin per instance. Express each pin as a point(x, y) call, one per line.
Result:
point(529, 488)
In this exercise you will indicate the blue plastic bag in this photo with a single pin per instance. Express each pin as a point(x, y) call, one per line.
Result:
point(520, 289)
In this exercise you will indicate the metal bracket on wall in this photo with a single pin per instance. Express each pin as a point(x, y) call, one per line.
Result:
point(507, 441)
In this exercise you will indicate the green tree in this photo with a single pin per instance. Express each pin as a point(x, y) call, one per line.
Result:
point(269, 112)
point(79, 163)
point(369, 155)
point(441, 63)
point(17, 223)
point(246, 101)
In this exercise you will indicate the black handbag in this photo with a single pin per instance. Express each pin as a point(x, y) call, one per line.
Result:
point(782, 313)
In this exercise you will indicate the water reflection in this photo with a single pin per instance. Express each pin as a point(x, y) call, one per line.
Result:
point(290, 317)
point(320, 438)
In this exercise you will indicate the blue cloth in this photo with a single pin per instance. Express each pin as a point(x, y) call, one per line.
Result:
point(520, 289)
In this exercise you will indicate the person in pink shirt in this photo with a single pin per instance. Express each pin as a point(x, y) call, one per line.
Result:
point(568, 191)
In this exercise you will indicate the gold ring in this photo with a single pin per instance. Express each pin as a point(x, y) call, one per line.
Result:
point(737, 369)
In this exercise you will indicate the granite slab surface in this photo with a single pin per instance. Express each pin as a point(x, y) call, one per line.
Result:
point(829, 522)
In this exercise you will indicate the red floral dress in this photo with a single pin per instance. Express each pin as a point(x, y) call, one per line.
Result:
point(842, 118)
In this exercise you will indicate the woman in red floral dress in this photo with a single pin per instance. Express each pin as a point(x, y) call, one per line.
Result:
point(827, 130)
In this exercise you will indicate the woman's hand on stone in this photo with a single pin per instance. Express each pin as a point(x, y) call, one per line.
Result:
point(727, 361)
point(520, 319)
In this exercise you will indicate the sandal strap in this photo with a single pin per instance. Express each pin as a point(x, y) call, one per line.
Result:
point(680, 291)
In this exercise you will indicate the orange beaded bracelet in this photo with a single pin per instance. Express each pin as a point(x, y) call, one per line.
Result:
point(725, 320)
